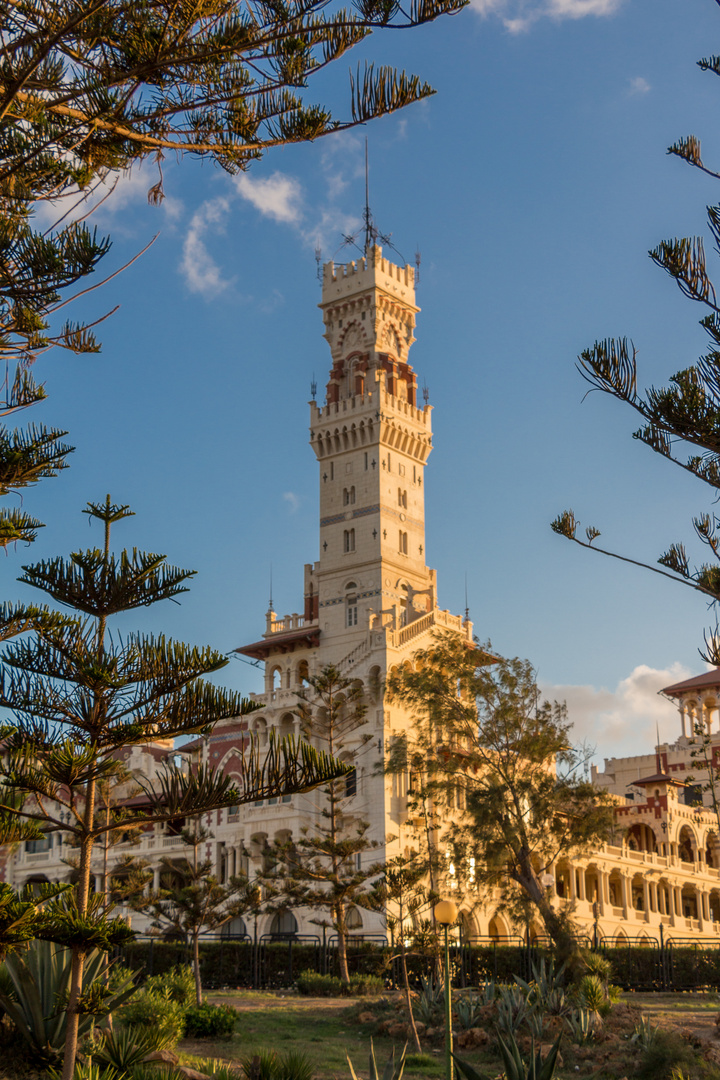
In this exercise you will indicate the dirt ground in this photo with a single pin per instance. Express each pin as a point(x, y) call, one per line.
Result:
point(696, 1012)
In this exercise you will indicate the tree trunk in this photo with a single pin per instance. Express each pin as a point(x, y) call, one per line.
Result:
point(73, 1017)
point(342, 957)
point(406, 987)
point(567, 947)
point(196, 968)
point(78, 954)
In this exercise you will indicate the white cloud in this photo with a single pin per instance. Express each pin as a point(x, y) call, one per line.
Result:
point(623, 721)
point(638, 85)
point(200, 270)
point(292, 500)
point(519, 15)
point(277, 196)
point(109, 201)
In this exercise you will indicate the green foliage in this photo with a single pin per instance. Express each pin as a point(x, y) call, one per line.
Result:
point(468, 1010)
point(269, 1065)
point(429, 1005)
point(537, 1069)
point(645, 1034)
point(124, 1048)
point(154, 1014)
point(499, 766)
point(319, 868)
point(664, 1055)
point(512, 1009)
point(210, 1021)
point(178, 984)
point(34, 986)
point(313, 984)
point(392, 1071)
point(581, 1025)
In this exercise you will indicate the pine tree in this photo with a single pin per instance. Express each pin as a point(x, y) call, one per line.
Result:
point(191, 901)
point(326, 867)
point(680, 421)
point(78, 694)
point(501, 769)
point(89, 88)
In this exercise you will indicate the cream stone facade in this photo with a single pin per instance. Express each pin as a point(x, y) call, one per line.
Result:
point(368, 603)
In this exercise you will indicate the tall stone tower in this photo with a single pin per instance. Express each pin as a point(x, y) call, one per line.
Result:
point(370, 599)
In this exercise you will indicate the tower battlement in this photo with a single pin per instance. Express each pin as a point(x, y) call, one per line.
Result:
point(370, 271)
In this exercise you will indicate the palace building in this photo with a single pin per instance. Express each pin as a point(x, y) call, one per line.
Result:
point(368, 604)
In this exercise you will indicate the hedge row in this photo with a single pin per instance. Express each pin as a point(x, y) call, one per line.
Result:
point(277, 964)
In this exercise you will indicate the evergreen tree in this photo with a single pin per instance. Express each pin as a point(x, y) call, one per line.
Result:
point(326, 867)
point(501, 769)
point(90, 87)
point(191, 901)
point(680, 421)
point(78, 694)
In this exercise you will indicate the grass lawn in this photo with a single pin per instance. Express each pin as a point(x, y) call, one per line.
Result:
point(322, 1028)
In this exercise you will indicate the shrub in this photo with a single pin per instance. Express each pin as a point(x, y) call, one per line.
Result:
point(210, 1021)
point(366, 985)
point(666, 1054)
point(316, 985)
point(178, 984)
point(34, 985)
point(152, 1012)
point(271, 1066)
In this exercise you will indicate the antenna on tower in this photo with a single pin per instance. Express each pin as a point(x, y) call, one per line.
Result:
point(271, 608)
point(425, 393)
point(367, 216)
point(318, 261)
point(467, 608)
point(313, 387)
point(417, 267)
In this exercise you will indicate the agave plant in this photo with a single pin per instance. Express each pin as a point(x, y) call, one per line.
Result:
point(34, 988)
point(430, 1002)
point(468, 1010)
point(581, 1026)
point(512, 1009)
point(515, 1068)
point(391, 1071)
point(125, 1048)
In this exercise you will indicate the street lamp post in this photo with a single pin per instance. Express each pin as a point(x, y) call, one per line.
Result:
point(446, 914)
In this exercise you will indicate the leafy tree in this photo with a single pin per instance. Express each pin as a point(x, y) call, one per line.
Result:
point(92, 87)
point(680, 421)
point(78, 694)
point(191, 901)
point(319, 868)
point(501, 767)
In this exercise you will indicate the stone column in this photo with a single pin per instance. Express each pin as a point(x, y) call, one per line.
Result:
point(602, 890)
point(571, 881)
point(581, 884)
point(646, 898)
point(156, 878)
point(624, 895)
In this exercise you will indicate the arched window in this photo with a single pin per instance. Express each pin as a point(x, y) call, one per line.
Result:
point(402, 498)
point(349, 496)
point(348, 540)
point(353, 919)
point(403, 543)
point(284, 923)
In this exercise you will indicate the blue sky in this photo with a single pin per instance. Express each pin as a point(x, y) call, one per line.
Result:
point(533, 183)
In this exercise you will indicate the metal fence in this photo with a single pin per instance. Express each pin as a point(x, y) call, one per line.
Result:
point(276, 960)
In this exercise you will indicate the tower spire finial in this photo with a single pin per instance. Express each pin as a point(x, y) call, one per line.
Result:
point(271, 608)
point(467, 608)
